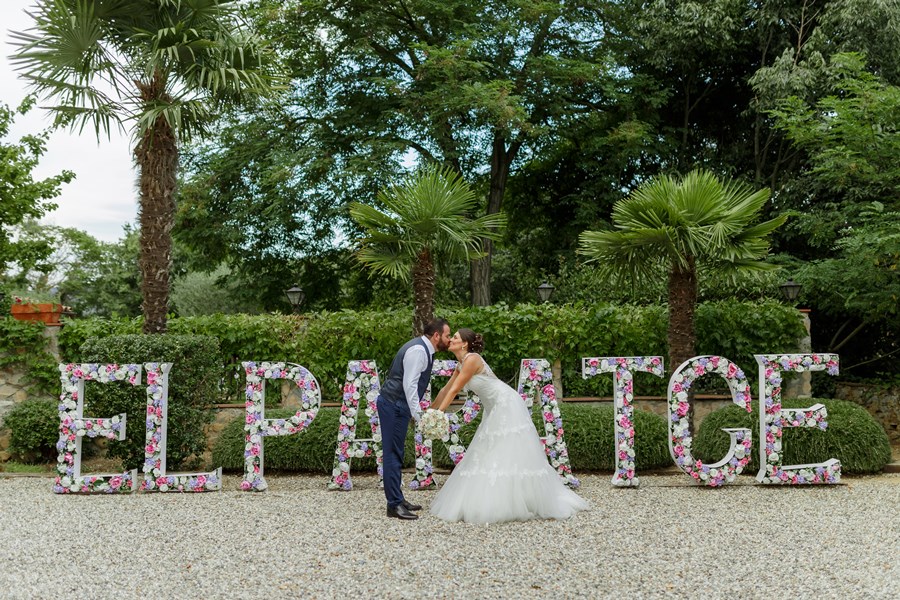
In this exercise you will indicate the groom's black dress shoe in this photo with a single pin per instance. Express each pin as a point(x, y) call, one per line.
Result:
point(410, 505)
point(401, 512)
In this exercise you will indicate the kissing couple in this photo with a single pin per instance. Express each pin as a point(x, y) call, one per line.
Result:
point(504, 475)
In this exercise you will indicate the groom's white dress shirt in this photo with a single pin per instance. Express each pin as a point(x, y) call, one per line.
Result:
point(414, 362)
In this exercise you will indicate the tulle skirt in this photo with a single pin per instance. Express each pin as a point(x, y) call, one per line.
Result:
point(505, 475)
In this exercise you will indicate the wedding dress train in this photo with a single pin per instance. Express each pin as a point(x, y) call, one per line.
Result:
point(504, 475)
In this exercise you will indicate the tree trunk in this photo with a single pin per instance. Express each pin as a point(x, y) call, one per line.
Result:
point(682, 304)
point(423, 291)
point(157, 158)
point(480, 270)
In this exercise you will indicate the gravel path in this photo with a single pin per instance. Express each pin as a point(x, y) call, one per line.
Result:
point(665, 539)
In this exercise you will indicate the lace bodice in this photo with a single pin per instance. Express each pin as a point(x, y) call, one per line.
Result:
point(484, 382)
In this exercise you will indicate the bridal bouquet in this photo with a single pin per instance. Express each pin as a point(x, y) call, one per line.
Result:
point(435, 424)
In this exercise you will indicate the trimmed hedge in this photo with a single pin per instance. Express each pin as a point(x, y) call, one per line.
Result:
point(589, 436)
point(325, 342)
point(853, 436)
point(193, 388)
point(33, 431)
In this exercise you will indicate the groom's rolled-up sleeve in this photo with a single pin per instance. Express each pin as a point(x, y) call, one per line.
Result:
point(414, 362)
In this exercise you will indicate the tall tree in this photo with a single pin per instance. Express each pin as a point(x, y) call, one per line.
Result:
point(689, 225)
point(159, 68)
point(472, 85)
point(425, 222)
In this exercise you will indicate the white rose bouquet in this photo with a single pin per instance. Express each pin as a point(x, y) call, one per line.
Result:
point(435, 424)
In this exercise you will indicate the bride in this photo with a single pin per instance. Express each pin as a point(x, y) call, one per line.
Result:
point(504, 475)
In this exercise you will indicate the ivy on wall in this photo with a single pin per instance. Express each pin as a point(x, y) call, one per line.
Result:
point(23, 345)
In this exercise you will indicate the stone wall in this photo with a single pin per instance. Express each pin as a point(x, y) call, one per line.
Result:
point(12, 389)
point(883, 403)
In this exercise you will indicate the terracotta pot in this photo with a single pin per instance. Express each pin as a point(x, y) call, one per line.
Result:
point(45, 312)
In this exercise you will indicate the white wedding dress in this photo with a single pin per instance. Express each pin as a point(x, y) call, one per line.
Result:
point(504, 475)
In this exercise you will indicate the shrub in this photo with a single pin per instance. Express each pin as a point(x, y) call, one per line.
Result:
point(33, 431)
point(325, 342)
point(853, 436)
point(589, 436)
point(193, 388)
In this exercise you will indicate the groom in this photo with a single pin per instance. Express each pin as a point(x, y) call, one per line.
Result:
point(406, 382)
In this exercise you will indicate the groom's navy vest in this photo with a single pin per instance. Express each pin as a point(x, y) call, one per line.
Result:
point(393, 386)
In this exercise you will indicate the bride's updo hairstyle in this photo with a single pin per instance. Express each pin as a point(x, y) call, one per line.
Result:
point(474, 341)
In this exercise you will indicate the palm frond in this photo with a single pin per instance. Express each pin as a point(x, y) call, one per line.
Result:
point(698, 217)
point(389, 260)
point(85, 58)
point(429, 210)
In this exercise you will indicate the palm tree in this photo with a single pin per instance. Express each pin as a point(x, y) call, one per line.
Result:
point(158, 68)
point(684, 226)
point(425, 221)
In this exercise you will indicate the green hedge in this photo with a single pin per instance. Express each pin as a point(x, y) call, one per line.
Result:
point(853, 436)
point(325, 342)
point(589, 436)
point(193, 388)
point(33, 428)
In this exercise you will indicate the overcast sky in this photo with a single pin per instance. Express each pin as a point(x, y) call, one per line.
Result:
point(102, 198)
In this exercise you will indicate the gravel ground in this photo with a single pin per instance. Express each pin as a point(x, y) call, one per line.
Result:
point(664, 539)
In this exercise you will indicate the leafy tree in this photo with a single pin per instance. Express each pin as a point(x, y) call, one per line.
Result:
point(92, 277)
point(846, 194)
point(472, 85)
point(425, 222)
point(161, 68)
point(858, 288)
point(850, 141)
point(21, 197)
point(196, 293)
point(691, 225)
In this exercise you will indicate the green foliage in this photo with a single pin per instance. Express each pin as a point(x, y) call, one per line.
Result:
point(193, 388)
point(458, 83)
point(325, 342)
point(850, 139)
point(197, 293)
point(22, 344)
point(103, 279)
point(673, 222)
point(89, 276)
point(863, 278)
point(208, 54)
point(853, 436)
point(21, 197)
point(426, 213)
point(33, 431)
point(589, 436)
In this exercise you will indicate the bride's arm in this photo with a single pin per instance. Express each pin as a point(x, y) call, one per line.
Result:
point(459, 379)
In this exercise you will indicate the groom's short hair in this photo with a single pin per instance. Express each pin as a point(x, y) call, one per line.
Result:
point(434, 326)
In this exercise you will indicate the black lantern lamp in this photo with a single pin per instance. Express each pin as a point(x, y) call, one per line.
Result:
point(790, 289)
point(544, 291)
point(295, 296)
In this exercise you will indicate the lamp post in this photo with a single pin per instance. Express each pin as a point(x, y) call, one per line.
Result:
point(800, 385)
point(295, 296)
point(544, 291)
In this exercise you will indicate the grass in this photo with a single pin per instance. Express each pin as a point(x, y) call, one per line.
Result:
point(15, 467)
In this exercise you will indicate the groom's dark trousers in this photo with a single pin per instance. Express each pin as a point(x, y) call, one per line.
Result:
point(394, 416)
